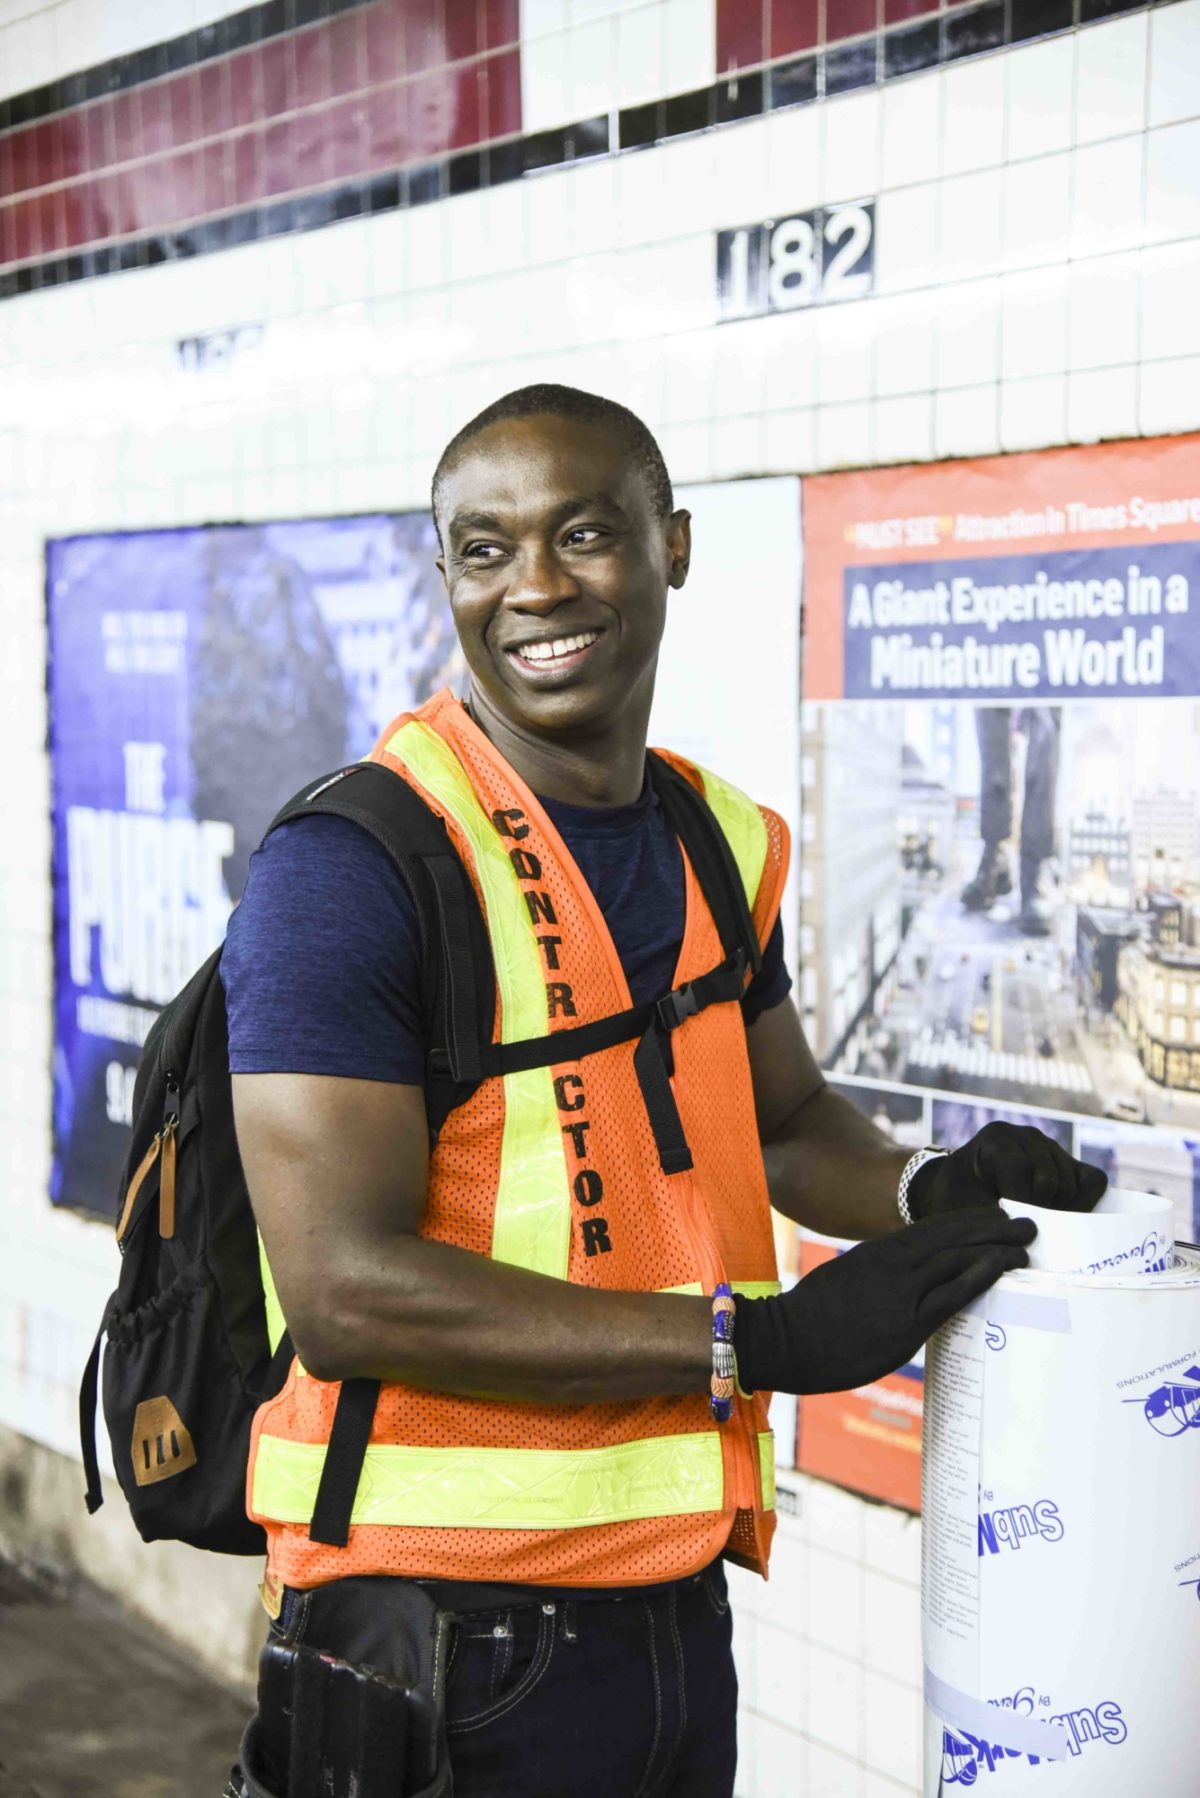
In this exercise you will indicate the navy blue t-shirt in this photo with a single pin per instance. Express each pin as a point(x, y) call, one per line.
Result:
point(322, 957)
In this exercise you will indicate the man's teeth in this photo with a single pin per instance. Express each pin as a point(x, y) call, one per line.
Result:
point(561, 646)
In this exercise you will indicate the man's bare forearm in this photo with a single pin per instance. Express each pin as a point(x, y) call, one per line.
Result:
point(828, 1167)
point(337, 1170)
point(436, 1316)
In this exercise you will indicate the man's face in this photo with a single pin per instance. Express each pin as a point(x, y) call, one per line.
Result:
point(557, 569)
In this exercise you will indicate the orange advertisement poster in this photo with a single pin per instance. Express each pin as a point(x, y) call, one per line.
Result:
point(1054, 574)
point(868, 1440)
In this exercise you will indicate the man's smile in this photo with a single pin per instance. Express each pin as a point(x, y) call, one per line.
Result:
point(543, 658)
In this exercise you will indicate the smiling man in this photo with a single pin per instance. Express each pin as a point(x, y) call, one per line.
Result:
point(557, 1285)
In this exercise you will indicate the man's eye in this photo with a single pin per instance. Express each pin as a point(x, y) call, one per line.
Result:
point(584, 532)
point(481, 552)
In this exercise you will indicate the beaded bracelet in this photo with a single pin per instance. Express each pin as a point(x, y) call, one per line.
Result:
point(724, 1367)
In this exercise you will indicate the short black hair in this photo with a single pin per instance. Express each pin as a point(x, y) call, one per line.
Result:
point(548, 398)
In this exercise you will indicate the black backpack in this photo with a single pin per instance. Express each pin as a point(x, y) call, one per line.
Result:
point(188, 1359)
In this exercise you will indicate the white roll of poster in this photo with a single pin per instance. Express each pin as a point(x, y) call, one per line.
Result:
point(1127, 1233)
point(1061, 1499)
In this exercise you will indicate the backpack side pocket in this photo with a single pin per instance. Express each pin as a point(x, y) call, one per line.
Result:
point(175, 1432)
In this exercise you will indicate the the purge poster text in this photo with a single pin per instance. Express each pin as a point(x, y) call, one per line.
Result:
point(198, 678)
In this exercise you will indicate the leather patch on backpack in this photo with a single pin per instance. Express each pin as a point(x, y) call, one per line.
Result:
point(162, 1442)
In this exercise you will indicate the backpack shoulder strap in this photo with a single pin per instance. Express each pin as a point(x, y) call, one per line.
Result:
point(693, 820)
point(457, 968)
point(378, 800)
point(457, 952)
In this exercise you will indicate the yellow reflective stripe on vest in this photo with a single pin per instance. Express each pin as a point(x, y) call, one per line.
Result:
point(501, 1488)
point(532, 1221)
point(749, 1289)
point(744, 826)
point(766, 1468)
point(276, 1323)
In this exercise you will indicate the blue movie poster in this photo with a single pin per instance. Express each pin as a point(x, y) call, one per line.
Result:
point(197, 678)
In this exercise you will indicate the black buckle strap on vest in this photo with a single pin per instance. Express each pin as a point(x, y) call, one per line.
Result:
point(571, 1044)
point(651, 1025)
point(348, 1440)
point(680, 1003)
point(650, 1057)
point(670, 1138)
point(725, 981)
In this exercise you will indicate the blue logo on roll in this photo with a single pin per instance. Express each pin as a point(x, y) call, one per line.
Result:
point(1173, 1408)
point(965, 1756)
point(959, 1765)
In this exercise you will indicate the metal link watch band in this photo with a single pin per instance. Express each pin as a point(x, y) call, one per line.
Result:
point(911, 1166)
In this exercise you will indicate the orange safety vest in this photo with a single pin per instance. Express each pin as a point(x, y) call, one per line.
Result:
point(556, 1169)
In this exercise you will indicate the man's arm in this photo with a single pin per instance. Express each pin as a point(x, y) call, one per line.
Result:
point(337, 1166)
point(828, 1167)
point(336, 1170)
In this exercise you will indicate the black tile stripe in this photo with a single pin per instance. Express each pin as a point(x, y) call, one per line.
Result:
point(793, 83)
point(915, 47)
point(862, 62)
point(740, 96)
point(685, 113)
point(971, 33)
point(1092, 11)
point(1030, 19)
point(850, 65)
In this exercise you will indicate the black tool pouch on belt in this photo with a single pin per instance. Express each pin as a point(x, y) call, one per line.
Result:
point(351, 1696)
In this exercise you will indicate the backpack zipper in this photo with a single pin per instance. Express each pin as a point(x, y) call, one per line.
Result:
point(166, 1182)
point(171, 1099)
point(164, 1145)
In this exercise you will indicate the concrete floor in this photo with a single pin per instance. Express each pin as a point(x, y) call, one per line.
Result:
point(93, 1705)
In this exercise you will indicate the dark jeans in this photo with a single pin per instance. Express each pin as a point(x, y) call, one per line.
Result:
point(633, 1697)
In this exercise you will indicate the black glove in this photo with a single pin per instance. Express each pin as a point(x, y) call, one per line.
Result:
point(868, 1312)
point(1005, 1161)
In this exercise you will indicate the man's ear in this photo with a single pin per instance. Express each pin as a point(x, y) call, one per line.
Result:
point(679, 546)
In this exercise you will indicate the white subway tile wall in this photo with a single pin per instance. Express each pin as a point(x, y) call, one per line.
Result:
point(1174, 66)
point(973, 124)
point(1037, 209)
point(1038, 86)
point(1037, 281)
point(1110, 79)
point(1101, 402)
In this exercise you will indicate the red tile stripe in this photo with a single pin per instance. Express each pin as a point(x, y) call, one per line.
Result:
point(390, 83)
point(755, 31)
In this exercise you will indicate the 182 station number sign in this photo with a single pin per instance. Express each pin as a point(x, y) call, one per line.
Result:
point(805, 259)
